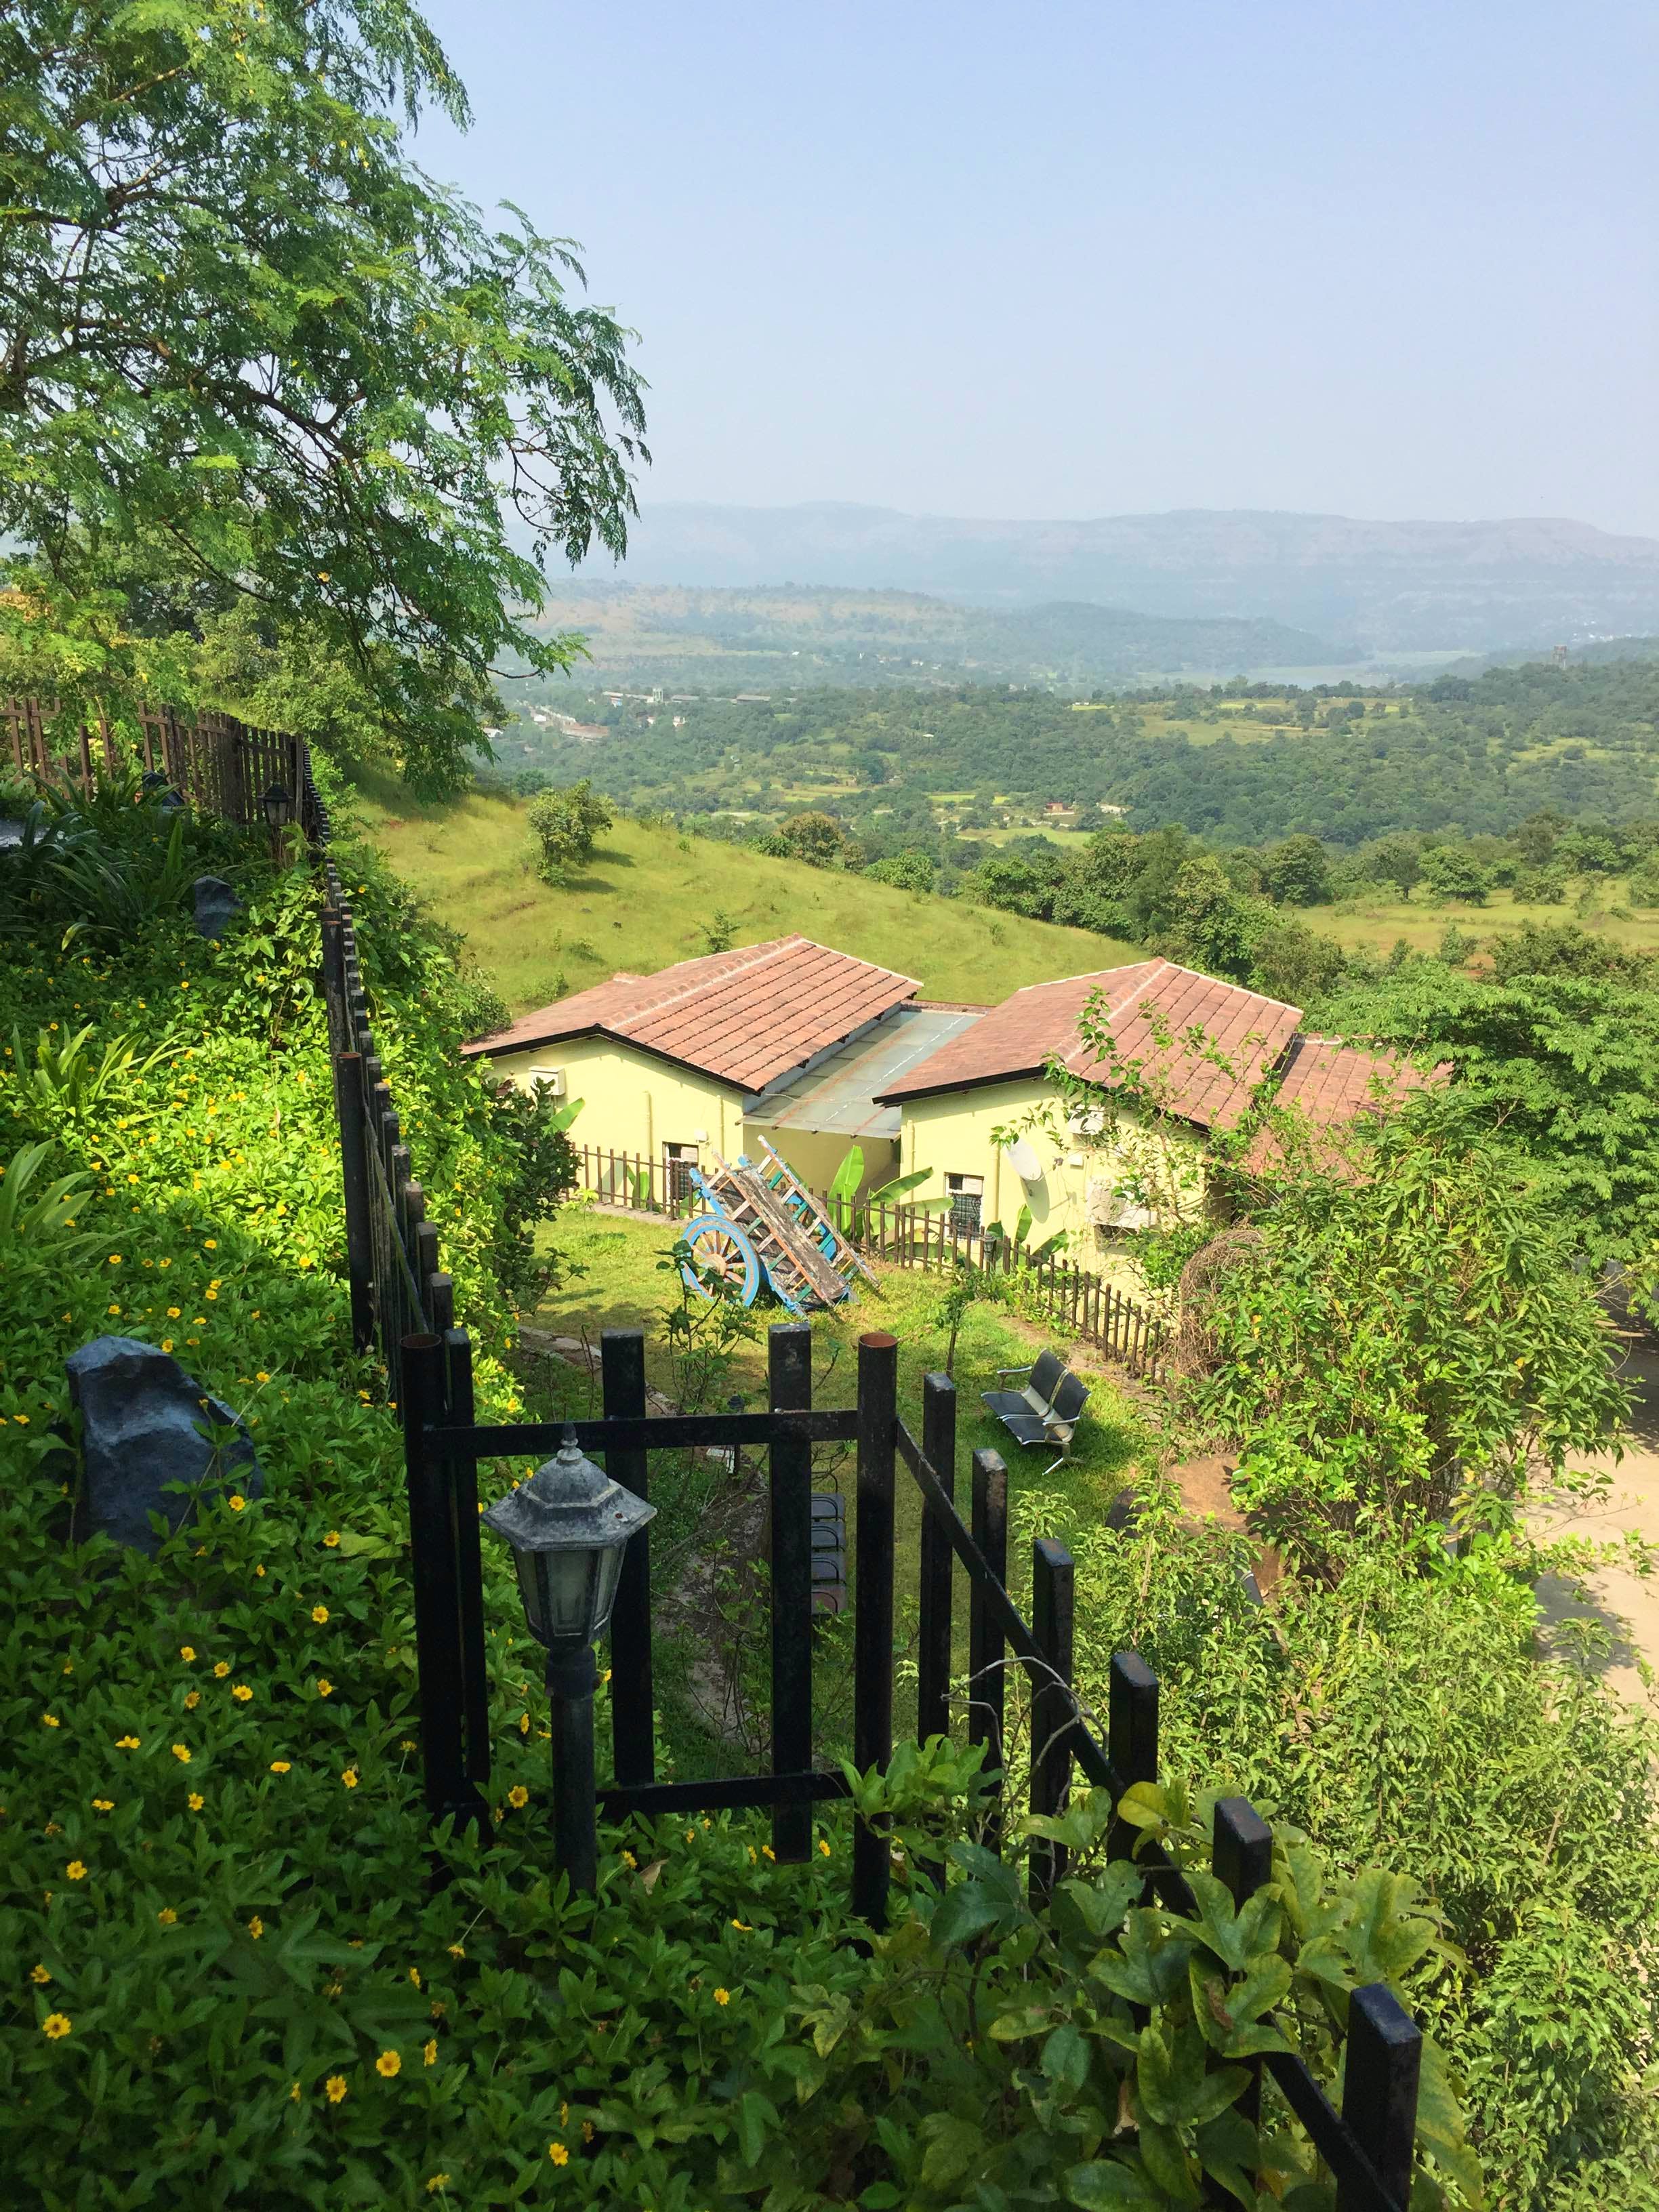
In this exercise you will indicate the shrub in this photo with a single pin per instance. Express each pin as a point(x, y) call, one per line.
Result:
point(565, 824)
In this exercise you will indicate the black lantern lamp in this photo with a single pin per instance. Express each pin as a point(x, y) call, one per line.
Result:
point(277, 804)
point(568, 1526)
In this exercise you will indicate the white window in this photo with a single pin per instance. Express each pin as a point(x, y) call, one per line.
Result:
point(966, 1194)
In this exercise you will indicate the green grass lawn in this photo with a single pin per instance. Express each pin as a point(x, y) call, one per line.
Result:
point(1379, 923)
point(648, 894)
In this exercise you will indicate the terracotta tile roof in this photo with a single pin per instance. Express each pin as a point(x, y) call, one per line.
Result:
point(1025, 1031)
point(745, 1017)
point(1331, 1086)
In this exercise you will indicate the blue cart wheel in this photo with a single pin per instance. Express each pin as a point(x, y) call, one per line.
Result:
point(720, 1249)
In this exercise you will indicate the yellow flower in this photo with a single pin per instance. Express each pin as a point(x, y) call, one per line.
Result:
point(435, 2182)
point(262, 1376)
point(181, 1752)
point(524, 1724)
point(55, 2023)
point(166, 1916)
point(196, 1800)
point(517, 1796)
point(628, 1859)
point(767, 1852)
point(187, 1653)
point(256, 1928)
point(167, 1344)
point(558, 2154)
point(174, 1312)
point(456, 1951)
point(320, 1615)
point(103, 1804)
point(39, 1974)
point(50, 1720)
point(237, 1502)
point(294, 2094)
point(241, 1691)
point(415, 1976)
point(192, 1698)
point(220, 1669)
point(335, 2087)
point(332, 1538)
point(324, 1687)
point(211, 1245)
point(350, 1777)
point(588, 2131)
point(824, 1847)
point(280, 1766)
point(722, 1996)
point(115, 1259)
point(430, 2051)
point(76, 1870)
point(747, 1926)
point(388, 2063)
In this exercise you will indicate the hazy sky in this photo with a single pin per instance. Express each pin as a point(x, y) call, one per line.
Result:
point(1065, 259)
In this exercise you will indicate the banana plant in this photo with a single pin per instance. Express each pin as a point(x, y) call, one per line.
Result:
point(852, 1219)
point(34, 1219)
point(1025, 1254)
point(67, 1081)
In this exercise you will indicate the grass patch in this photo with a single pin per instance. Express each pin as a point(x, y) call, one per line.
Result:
point(649, 895)
point(1376, 925)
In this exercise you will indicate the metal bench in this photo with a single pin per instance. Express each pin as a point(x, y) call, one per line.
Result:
point(1042, 1381)
point(1037, 1423)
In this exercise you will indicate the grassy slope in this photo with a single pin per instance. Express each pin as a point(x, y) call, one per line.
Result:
point(642, 903)
point(1378, 923)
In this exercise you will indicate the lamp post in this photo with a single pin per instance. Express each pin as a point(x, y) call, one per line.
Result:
point(277, 804)
point(568, 1526)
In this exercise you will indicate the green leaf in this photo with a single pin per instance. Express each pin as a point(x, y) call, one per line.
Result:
point(1065, 2056)
point(1015, 2027)
point(1104, 2185)
point(953, 2145)
point(757, 2120)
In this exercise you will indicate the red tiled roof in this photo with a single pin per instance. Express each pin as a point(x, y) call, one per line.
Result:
point(745, 1017)
point(1038, 1024)
point(1331, 1086)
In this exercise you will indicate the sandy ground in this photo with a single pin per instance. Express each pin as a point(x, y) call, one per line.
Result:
point(1627, 1604)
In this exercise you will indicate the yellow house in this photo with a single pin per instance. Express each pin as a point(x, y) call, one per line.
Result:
point(787, 1041)
point(985, 1114)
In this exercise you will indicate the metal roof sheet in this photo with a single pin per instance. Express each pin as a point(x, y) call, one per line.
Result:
point(839, 1095)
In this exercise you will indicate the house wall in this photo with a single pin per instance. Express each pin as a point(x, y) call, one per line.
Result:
point(632, 1103)
point(815, 1156)
point(950, 1134)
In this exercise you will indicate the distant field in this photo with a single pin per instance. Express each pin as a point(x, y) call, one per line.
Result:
point(1380, 923)
point(647, 894)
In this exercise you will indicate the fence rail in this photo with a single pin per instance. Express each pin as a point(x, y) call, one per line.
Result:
point(1089, 1308)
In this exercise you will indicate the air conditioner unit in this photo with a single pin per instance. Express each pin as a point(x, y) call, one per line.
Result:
point(551, 1077)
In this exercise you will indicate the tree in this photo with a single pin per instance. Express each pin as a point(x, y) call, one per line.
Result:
point(565, 824)
point(909, 871)
point(814, 837)
point(1297, 873)
point(1210, 926)
point(1015, 885)
point(1294, 962)
point(1451, 872)
point(246, 336)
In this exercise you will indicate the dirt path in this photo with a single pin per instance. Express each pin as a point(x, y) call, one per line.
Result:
point(1627, 1604)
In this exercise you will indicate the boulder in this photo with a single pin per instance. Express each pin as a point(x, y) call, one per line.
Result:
point(216, 904)
point(12, 833)
point(140, 1421)
point(1123, 1514)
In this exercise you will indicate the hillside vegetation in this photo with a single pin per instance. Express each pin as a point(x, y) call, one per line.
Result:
point(652, 895)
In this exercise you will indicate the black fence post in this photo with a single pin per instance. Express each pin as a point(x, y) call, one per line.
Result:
point(462, 1481)
point(1131, 1737)
point(1242, 1857)
point(872, 1623)
point(1381, 2066)
point(354, 1170)
point(633, 1717)
point(437, 1610)
point(1052, 1710)
point(789, 1376)
point(938, 1449)
point(985, 1684)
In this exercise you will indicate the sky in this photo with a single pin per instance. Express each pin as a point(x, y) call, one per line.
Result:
point(1065, 259)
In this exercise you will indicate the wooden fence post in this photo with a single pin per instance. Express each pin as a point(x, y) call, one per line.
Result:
point(1131, 1736)
point(938, 1449)
point(1241, 1856)
point(437, 1609)
point(872, 1621)
point(1380, 2073)
point(461, 1477)
point(1053, 1711)
point(789, 1390)
point(985, 1680)
point(633, 1720)
point(354, 1173)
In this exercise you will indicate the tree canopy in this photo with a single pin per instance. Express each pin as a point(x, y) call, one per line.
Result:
point(252, 351)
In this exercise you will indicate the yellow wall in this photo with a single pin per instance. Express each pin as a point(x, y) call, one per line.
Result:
point(634, 1103)
point(951, 1135)
point(815, 1156)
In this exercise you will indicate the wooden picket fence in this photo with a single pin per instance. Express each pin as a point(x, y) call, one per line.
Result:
point(1089, 1308)
point(221, 765)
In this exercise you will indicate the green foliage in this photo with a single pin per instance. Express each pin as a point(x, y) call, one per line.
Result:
point(815, 837)
point(565, 824)
point(706, 1327)
point(918, 871)
point(1396, 1341)
point(1450, 873)
point(1297, 873)
point(323, 411)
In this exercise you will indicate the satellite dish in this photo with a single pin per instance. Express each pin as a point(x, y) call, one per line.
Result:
point(1023, 1159)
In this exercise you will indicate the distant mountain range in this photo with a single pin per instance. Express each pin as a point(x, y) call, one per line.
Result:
point(1392, 586)
point(790, 637)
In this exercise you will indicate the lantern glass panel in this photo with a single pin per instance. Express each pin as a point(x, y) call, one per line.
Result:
point(611, 1561)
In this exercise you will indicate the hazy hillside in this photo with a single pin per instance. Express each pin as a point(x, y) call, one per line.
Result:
point(1395, 585)
point(789, 636)
point(649, 895)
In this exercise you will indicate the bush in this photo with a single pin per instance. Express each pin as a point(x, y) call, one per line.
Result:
point(565, 824)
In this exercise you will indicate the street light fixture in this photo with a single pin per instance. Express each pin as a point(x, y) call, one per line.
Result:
point(277, 804)
point(568, 1526)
